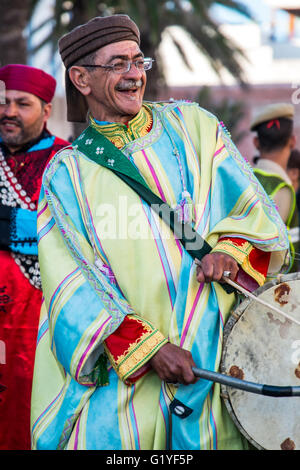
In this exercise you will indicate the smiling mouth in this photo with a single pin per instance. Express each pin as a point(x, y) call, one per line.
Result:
point(9, 125)
point(129, 86)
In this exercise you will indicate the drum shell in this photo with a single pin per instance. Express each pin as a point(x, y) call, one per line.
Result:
point(264, 347)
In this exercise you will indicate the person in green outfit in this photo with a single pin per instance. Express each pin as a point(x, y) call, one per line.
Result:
point(274, 140)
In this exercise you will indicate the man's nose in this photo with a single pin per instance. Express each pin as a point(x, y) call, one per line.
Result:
point(10, 109)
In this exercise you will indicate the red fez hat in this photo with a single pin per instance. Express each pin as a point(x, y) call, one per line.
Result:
point(29, 79)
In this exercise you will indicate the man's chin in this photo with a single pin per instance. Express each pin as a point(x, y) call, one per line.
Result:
point(12, 139)
point(132, 105)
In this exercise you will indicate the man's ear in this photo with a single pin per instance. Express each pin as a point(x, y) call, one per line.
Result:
point(256, 142)
point(293, 141)
point(79, 77)
point(47, 108)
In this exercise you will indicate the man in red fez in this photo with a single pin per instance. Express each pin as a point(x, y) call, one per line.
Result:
point(26, 146)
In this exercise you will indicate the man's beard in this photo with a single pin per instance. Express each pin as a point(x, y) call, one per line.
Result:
point(17, 139)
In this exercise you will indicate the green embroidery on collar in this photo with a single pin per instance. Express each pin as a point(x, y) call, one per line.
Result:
point(121, 134)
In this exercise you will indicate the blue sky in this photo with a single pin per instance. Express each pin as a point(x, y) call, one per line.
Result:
point(259, 10)
point(261, 13)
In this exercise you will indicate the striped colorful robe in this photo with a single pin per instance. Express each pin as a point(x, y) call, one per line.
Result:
point(20, 285)
point(118, 285)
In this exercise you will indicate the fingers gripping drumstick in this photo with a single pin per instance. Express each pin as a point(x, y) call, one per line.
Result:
point(226, 275)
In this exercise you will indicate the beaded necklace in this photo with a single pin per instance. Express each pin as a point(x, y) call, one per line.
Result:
point(12, 195)
point(11, 192)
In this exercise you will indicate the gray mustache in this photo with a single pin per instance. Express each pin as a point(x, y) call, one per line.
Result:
point(129, 85)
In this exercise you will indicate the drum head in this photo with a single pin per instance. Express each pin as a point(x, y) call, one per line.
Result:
point(264, 347)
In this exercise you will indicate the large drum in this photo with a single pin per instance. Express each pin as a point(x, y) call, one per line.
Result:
point(264, 347)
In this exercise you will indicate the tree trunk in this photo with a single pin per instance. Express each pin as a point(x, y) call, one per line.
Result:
point(13, 44)
point(82, 12)
point(156, 85)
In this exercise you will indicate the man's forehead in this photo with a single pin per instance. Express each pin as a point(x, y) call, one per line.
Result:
point(20, 95)
point(121, 48)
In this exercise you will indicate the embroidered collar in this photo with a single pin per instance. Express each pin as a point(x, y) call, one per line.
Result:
point(121, 134)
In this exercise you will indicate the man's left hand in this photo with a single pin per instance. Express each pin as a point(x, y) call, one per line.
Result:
point(213, 266)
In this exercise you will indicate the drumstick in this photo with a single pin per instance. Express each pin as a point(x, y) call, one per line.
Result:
point(256, 299)
point(262, 302)
point(261, 389)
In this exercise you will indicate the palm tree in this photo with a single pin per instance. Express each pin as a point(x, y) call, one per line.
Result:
point(231, 112)
point(14, 18)
point(153, 17)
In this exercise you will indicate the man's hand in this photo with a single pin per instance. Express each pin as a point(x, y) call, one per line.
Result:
point(174, 364)
point(213, 266)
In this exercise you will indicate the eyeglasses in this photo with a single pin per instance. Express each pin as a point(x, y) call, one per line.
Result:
point(123, 66)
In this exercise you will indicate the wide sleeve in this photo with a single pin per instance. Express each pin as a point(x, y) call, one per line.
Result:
point(91, 324)
point(235, 214)
point(231, 202)
point(244, 220)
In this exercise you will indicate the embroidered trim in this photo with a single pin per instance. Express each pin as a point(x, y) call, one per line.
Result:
point(248, 268)
point(238, 252)
point(120, 134)
point(241, 254)
point(138, 353)
point(145, 350)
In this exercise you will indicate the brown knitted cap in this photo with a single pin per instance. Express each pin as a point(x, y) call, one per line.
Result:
point(84, 40)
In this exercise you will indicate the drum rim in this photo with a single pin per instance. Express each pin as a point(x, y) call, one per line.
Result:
point(234, 317)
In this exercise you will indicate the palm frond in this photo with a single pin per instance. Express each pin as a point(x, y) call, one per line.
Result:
point(153, 17)
point(230, 112)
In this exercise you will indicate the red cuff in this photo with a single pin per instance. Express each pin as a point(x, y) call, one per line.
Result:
point(128, 333)
point(131, 346)
point(254, 262)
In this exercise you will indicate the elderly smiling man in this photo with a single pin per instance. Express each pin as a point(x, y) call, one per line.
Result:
point(125, 318)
